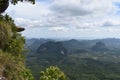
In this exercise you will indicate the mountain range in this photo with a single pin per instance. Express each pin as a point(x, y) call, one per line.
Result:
point(80, 59)
point(74, 45)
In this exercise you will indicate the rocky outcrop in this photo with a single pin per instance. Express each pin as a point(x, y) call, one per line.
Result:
point(99, 47)
point(52, 48)
point(52, 51)
point(19, 29)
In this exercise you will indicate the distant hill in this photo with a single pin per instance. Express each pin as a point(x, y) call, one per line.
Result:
point(80, 59)
point(76, 46)
point(33, 44)
point(52, 50)
point(111, 43)
point(100, 47)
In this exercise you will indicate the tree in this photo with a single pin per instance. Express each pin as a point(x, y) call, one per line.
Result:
point(52, 73)
point(5, 3)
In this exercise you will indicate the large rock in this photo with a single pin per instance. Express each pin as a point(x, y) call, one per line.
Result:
point(100, 47)
point(53, 51)
point(19, 29)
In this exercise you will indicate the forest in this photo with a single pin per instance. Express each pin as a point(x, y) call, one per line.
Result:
point(78, 59)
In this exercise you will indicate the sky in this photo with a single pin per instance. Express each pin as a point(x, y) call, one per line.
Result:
point(81, 19)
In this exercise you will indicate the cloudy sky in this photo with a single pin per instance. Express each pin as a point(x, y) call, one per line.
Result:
point(84, 19)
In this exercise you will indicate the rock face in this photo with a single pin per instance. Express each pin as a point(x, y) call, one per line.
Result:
point(52, 47)
point(52, 51)
point(19, 29)
point(99, 46)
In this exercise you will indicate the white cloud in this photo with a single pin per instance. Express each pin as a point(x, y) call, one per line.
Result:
point(63, 29)
point(111, 23)
point(27, 23)
point(28, 10)
point(68, 15)
point(76, 13)
point(82, 7)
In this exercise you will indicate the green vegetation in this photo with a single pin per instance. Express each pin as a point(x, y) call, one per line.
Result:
point(12, 61)
point(77, 68)
point(79, 61)
point(52, 73)
point(13, 68)
point(83, 60)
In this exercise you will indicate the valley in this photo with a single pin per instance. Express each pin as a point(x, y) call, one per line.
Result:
point(79, 59)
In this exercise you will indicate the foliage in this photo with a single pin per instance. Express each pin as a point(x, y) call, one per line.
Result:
point(26, 74)
point(13, 68)
point(6, 29)
point(15, 45)
point(52, 73)
point(12, 61)
point(10, 40)
point(16, 1)
point(5, 3)
point(5, 33)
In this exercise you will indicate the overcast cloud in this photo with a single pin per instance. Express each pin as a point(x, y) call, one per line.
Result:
point(69, 16)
